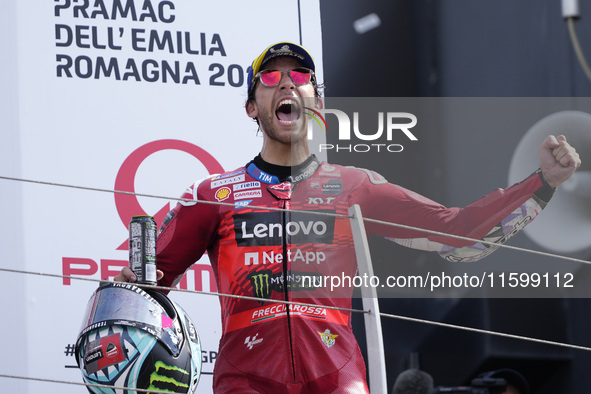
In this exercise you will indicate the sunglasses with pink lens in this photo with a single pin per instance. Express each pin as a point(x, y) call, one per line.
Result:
point(299, 76)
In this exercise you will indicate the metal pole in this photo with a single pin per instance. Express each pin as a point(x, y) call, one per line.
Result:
point(373, 325)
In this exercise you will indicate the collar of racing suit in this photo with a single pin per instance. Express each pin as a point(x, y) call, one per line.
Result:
point(271, 174)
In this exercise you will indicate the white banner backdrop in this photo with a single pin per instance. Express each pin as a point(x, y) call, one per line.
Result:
point(144, 96)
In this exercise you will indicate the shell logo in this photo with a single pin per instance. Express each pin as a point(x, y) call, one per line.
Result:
point(223, 193)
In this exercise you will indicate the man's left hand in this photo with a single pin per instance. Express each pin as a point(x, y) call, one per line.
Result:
point(558, 160)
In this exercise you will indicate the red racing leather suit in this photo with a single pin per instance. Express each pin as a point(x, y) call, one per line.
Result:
point(259, 250)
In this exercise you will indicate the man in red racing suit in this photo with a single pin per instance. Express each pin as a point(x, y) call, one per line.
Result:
point(277, 228)
point(272, 254)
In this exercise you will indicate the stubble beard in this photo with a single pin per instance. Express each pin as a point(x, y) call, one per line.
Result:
point(297, 132)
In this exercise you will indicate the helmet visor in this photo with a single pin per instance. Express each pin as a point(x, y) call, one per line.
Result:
point(127, 305)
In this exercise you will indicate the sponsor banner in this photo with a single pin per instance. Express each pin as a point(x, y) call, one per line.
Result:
point(151, 98)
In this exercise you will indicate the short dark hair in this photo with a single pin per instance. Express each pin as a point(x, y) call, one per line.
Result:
point(413, 381)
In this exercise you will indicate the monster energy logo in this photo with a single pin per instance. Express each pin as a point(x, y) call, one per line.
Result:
point(170, 384)
point(265, 281)
point(261, 283)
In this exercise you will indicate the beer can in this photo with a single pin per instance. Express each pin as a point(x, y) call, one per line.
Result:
point(142, 248)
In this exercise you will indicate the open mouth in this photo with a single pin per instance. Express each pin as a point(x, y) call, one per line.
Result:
point(288, 111)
